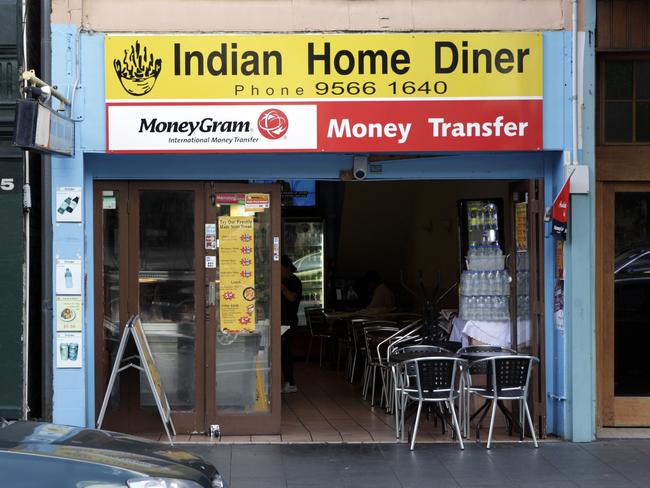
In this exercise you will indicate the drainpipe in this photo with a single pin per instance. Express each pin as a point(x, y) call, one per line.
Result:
point(574, 80)
point(46, 229)
point(26, 222)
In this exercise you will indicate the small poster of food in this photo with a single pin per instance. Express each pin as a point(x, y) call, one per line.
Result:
point(69, 316)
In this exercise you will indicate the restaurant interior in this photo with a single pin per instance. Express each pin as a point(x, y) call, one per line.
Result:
point(453, 261)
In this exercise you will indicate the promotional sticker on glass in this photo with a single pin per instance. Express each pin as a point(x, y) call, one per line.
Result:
point(68, 314)
point(68, 277)
point(210, 237)
point(68, 350)
point(109, 200)
point(68, 204)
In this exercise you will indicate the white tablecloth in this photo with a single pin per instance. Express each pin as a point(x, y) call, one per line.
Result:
point(494, 333)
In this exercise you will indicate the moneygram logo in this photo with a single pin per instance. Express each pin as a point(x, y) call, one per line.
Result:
point(273, 123)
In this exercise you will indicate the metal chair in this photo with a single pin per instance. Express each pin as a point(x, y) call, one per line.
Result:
point(435, 382)
point(476, 369)
point(403, 376)
point(373, 335)
point(508, 379)
point(317, 323)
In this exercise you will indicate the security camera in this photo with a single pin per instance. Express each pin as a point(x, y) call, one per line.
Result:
point(360, 167)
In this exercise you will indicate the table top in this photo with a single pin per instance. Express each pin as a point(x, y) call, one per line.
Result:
point(469, 356)
point(475, 356)
point(400, 357)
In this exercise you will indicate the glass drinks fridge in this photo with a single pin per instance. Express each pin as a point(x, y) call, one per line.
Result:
point(485, 282)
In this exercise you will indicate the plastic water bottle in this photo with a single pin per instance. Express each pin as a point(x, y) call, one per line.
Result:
point(491, 284)
point(480, 309)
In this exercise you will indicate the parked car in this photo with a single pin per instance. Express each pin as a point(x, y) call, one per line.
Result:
point(631, 322)
point(36, 455)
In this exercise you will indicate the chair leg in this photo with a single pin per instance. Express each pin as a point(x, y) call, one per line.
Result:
point(494, 411)
point(403, 402)
point(353, 367)
point(374, 380)
point(455, 422)
point(415, 426)
point(364, 390)
point(530, 423)
point(522, 421)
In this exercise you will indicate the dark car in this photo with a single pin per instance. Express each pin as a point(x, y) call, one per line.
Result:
point(37, 455)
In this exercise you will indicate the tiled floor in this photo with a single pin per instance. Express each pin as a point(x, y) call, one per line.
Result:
point(328, 409)
point(611, 464)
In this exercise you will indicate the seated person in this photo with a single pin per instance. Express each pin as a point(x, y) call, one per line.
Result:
point(382, 298)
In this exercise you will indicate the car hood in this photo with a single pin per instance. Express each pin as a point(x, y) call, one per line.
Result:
point(108, 448)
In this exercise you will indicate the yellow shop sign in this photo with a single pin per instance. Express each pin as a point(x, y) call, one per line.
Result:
point(307, 67)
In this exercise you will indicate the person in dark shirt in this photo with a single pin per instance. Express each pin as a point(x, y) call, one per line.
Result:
point(291, 295)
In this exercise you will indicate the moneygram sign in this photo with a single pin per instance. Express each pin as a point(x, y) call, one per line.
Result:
point(327, 93)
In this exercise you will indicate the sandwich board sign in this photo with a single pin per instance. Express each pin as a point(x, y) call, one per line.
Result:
point(142, 361)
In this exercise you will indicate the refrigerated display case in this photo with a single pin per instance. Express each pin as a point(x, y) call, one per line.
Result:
point(484, 301)
point(303, 243)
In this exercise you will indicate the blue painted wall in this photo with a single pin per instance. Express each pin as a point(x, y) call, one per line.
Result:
point(74, 389)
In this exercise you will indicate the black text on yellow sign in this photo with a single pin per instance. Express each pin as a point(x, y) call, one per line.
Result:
point(327, 66)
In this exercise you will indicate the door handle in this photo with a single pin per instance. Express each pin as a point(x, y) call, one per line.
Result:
point(212, 294)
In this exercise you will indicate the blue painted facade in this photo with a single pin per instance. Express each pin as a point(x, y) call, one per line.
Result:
point(74, 389)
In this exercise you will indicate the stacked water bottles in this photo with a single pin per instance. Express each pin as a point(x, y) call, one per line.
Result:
point(523, 286)
point(485, 285)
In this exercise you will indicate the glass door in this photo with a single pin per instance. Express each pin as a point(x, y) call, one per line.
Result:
point(624, 315)
point(527, 289)
point(242, 257)
point(148, 262)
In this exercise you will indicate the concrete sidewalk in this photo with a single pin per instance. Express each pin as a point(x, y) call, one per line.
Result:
point(611, 463)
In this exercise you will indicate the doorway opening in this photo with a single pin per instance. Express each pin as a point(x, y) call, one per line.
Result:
point(161, 252)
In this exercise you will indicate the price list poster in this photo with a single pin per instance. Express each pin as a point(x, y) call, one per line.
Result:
point(237, 274)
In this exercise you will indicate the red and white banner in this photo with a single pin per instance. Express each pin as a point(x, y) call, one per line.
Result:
point(327, 126)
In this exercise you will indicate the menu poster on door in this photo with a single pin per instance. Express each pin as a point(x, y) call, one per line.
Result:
point(68, 204)
point(68, 277)
point(68, 350)
point(237, 274)
point(68, 314)
point(521, 225)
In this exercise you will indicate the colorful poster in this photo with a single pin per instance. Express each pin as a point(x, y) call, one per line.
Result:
point(521, 226)
point(68, 204)
point(237, 274)
point(68, 350)
point(68, 276)
point(68, 314)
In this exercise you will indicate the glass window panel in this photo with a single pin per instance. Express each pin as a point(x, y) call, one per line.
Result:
point(642, 79)
point(632, 289)
point(618, 80)
point(166, 280)
point(523, 278)
point(618, 121)
point(303, 243)
point(643, 122)
point(243, 359)
point(111, 279)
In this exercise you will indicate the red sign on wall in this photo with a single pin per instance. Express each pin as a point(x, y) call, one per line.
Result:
point(327, 126)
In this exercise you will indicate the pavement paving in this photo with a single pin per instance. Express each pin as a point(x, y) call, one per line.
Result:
point(607, 463)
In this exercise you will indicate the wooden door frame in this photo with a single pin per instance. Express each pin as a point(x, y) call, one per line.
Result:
point(247, 423)
point(611, 411)
point(145, 420)
point(102, 366)
point(535, 215)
